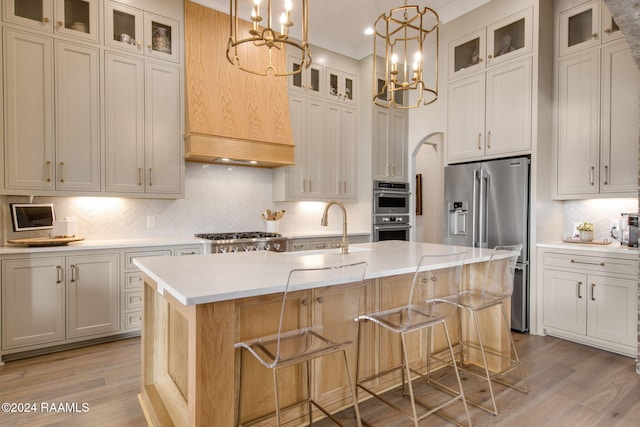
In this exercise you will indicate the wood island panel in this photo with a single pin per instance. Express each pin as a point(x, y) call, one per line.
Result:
point(190, 365)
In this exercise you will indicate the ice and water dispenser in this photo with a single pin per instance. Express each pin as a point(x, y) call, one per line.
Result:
point(457, 217)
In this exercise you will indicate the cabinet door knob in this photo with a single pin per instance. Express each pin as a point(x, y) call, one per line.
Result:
point(607, 31)
point(305, 302)
point(45, 20)
point(320, 299)
point(490, 56)
point(60, 24)
point(594, 36)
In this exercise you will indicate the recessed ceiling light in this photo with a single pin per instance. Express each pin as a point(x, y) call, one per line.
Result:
point(368, 31)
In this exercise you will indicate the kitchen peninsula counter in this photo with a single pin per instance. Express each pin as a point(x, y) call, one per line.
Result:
point(196, 308)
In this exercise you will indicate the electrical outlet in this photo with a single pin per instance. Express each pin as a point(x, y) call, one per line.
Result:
point(614, 223)
point(151, 222)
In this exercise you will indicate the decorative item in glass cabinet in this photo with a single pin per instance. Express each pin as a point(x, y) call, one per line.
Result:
point(402, 36)
point(253, 46)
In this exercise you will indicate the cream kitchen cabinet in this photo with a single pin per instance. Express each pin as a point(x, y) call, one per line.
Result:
point(584, 24)
point(305, 179)
point(310, 81)
point(390, 145)
point(55, 300)
point(93, 294)
point(597, 124)
point(501, 41)
point(341, 86)
point(142, 121)
point(340, 152)
point(142, 32)
point(132, 281)
point(47, 151)
point(489, 113)
point(591, 299)
point(33, 302)
point(73, 18)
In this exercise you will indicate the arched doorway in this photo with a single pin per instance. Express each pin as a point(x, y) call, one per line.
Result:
point(428, 160)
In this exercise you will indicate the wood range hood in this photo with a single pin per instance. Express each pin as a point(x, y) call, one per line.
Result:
point(231, 116)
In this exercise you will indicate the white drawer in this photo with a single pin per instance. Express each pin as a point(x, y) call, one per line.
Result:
point(133, 320)
point(133, 280)
point(132, 300)
point(129, 256)
point(187, 251)
point(591, 263)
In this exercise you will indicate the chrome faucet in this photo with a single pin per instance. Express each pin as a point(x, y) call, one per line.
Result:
point(344, 245)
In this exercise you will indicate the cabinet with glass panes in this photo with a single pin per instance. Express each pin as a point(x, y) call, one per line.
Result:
point(73, 18)
point(141, 32)
point(584, 24)
point(494, 44)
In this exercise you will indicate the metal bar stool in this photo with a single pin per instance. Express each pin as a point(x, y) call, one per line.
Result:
point(420, 313)
point(301, 346)
point(497, 285)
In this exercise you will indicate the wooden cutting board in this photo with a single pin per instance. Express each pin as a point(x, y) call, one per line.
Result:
point(45, 241)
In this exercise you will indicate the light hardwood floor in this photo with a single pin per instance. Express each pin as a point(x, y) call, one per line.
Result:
point(569, 385)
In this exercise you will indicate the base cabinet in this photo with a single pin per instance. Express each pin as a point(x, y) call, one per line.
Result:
point(53, 299)
point(592, 300)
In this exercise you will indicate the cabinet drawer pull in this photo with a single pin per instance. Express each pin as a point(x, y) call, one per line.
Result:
point(73, 273)
point(59, 274)
point(139, 177)
point(479, 140)
point(150, 180)
point(61, 171)
point(578, 287)
point(601, 264)
point(489, 140)
point(593, 287)
point(606, 174)
point(48, 170)
point(592, 173)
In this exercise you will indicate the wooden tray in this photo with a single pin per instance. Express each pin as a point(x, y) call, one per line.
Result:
point(593, 242)
point(45, 241)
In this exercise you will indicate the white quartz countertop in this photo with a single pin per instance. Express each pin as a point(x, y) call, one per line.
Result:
point(100, 244)
point(202, 279)
point(612, 248)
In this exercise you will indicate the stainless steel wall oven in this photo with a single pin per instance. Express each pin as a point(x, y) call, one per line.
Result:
point(391, 202)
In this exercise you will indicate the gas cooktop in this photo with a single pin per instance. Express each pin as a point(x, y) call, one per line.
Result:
point(238, 235)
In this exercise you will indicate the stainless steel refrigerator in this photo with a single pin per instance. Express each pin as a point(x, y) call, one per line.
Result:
point(486, 205)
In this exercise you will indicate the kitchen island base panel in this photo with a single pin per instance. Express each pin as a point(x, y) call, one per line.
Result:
point(189, 361)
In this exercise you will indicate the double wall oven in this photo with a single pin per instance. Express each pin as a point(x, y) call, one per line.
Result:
point(391, 202)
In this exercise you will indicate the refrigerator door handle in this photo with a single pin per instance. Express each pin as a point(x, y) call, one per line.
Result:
point(474, 220)
point(483, 211)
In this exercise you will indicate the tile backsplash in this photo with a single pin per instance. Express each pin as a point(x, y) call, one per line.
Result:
point(596, 211)
point(218, 198)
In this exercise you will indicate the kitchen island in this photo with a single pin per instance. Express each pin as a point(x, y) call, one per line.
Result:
point(196, 308)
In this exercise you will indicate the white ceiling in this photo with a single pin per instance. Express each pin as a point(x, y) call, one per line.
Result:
point(338, 25)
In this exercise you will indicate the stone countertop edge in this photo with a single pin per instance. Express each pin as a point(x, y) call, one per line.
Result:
point(10, 249)
point(613, 248)
point(202, 279)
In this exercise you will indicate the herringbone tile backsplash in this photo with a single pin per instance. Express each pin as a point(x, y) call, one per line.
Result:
point(218, 198)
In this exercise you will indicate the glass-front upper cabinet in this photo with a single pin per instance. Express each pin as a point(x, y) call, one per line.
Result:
point(309, 80)
point(75, 18)
point(579, 27)
point(384, 96)
point(341, 86)
point(467, 54)
point(509, 37)
point(142, 32)
point(610, 30)
point(498, 42)
point(124, 27)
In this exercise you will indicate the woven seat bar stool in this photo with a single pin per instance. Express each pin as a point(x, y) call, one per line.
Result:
point(497, 285)
point(301, 346)
point(420, 314)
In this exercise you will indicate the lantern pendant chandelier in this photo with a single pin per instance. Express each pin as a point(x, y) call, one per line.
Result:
point(403, 35)
point(251, 45)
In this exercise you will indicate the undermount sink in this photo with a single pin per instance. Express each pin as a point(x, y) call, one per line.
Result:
point(331, 251)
